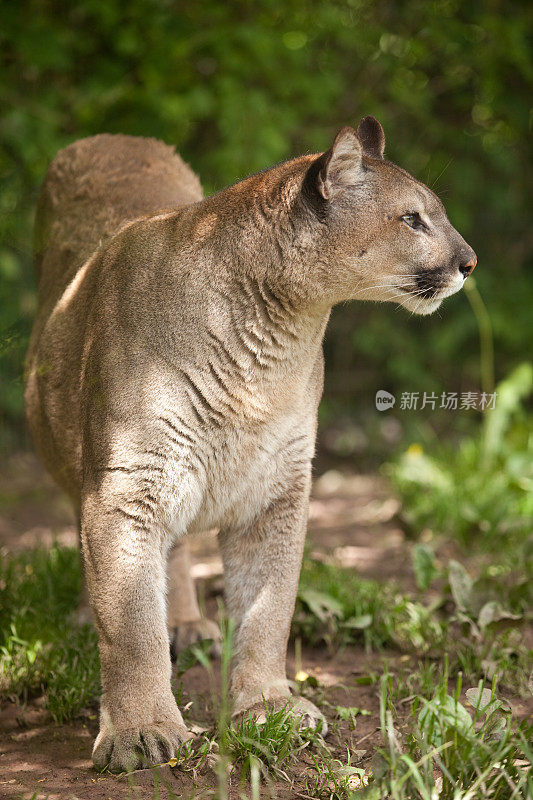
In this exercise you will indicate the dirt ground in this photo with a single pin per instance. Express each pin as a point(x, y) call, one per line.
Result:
point(352, 521)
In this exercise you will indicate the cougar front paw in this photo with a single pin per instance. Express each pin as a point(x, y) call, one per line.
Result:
point(135, 748)
point(187, 633)
point(309, 715)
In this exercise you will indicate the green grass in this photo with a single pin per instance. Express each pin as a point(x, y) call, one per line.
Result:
point(453, 749)
point(445, 749)
point(42, 648)
point(454, 744)
point(476, 622)
point(274, 746)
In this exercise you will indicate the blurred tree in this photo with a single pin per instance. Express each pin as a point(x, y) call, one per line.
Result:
point(240, 85)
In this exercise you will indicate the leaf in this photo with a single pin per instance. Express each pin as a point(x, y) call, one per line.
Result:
point(493, 612)
point(494, 726)
point(424, 471)
point(510, 392)
point(441, 717)
point(485, 701)
point(320, 604)
point(424, 566)
point(349, 712)
point(309, 680)
point(194, 654)
point(460, 585)
point(480, 699)
point(361, 622)
point(366, 680)
point(464, 619)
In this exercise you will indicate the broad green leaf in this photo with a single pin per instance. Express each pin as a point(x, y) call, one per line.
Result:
point(481, 699)
point(460, 585)
point(424, 566)
point(485, 701)
point(320, 604)
point(493, 612)
point(510, 392)
point(441, 717)
point(360, 622)
point(366, 680)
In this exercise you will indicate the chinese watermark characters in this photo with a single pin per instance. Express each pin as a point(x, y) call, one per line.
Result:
point(449, 401)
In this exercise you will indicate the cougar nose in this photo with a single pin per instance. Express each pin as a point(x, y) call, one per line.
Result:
point(467, 268)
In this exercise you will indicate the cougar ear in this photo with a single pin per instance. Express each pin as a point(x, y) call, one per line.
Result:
point(372, 137)
point(340, 164)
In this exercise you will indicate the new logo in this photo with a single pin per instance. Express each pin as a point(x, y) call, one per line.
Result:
point(384, 400)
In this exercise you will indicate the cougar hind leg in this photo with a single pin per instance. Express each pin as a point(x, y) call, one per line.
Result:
point(184, 619)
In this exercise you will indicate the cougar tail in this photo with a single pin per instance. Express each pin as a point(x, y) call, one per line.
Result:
point(92, 188)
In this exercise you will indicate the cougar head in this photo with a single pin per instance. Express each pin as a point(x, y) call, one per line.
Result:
point(387, 235)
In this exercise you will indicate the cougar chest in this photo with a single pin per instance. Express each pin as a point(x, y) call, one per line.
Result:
point(247, 466)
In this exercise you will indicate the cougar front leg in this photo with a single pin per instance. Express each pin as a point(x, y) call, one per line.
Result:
point(185, 622)
point(140, 723)
point(262, 566)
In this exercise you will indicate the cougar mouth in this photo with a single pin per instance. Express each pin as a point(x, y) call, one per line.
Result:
point(433, 284)
point(428, 290)
point(429, 285)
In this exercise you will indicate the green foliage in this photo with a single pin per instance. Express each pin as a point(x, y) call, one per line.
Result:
point(424, 566)
point(511, 392)
point(255, 752)
point(477, 621)
point(451, 752)
point(486, 628)
point(197, 653)
point(271, 744)
point(333, 778)
point(350, 713)
point(471, 744)
point(481, 491)
point(238, 87)
point(349, 609)
point(42, 649)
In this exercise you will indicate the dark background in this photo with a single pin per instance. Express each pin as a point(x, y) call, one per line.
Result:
point(238, 86)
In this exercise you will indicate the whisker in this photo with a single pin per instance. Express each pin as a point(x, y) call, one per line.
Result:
point(410, 294)
point(421, 301)
point(383, 286)
point(380, 286)
point(401, 294)
point(441, 173)
point(394, 296)
point(402, 276)
point(416, 307)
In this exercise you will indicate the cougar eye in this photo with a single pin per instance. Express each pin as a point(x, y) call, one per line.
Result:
point(413, 220)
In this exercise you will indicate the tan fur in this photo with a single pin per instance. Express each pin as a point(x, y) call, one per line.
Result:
point(174, 377)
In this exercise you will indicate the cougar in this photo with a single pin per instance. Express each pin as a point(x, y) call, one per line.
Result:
point(173, 378)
